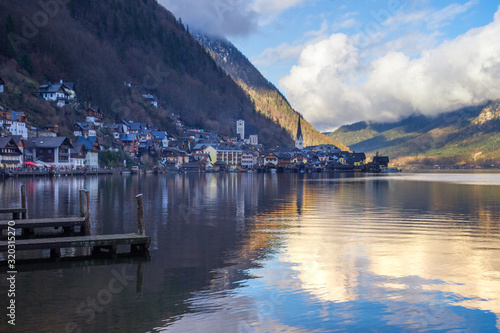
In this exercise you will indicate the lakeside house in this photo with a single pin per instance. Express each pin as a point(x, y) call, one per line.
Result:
point(270, 158)
point(10, 153)
point(231, 156)
point(51, 151)
point(92, 149)
point(78, 155)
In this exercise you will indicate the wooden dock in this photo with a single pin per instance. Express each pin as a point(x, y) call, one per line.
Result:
point(18, 212)
point(139, 242)
point(67, 223)
point(109, 243)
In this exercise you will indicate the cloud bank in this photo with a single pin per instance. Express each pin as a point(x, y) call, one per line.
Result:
point(227, 17)
point(336, 82)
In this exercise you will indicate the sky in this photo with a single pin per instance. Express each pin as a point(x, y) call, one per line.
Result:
point(341, 61)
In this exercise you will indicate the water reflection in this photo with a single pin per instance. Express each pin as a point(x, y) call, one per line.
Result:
point(268, 253)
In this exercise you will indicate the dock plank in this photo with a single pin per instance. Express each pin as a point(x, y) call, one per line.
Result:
point(12, 210)
point(77, 241)
point(44, 223)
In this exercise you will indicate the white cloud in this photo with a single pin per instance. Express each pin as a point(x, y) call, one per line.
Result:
point(219, 17)
point(448, 13)
point(274, 7)
point(228, 17)
point(334, 83)
point(287, 51)
point(433, 19)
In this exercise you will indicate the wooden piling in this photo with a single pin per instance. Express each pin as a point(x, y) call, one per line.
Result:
point(85, 210)
point(23, 202)
point(141, 229)
point(82, 203)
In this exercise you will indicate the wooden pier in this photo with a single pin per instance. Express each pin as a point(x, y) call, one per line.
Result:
point(18, 212)
point(139, 242)
point(109, 243)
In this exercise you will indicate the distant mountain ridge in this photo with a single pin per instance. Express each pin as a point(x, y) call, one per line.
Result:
point(467, 136)
point(268, 100)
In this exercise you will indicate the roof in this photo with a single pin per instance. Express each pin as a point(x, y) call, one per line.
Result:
point(144, 132)
point(94, 108)
point(128, 137)
point(87, 142)
point(84, 125)
point(17, 138)
point(5, 140)
point(356, 157)
point(52, 88)
point(49, 142)
point(15, 116)
point(2, 82)
point(159, 135)
point(134, 126)
point(149, 96)
point(299, 130)
point(77, 147)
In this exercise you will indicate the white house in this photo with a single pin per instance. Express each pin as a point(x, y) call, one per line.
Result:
point(57, 91)
point(10, 153)
point(14, 122)
point(18, 128)
point(77, 155)
point(92, 148)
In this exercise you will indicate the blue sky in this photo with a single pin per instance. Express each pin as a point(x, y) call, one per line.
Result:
point(340, 61)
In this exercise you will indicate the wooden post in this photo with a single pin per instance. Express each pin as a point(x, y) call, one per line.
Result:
point(85, 210)
point(82, 203)
point(23, 202)
point(140, 215)
point(87, 214)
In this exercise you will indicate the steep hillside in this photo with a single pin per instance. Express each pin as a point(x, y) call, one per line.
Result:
point(100, 45)
point(266, 98)
point(467, 136)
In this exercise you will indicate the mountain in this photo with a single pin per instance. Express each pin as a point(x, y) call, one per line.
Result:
point(466, 136)
point(267, 99)
point(115, 51)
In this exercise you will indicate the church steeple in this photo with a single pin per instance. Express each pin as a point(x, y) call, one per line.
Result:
point(299, 139)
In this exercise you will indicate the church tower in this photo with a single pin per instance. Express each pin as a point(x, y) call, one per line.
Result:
point(240, 128)
point(299, 139)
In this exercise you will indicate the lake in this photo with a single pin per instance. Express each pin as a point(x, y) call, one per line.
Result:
point(408, 252)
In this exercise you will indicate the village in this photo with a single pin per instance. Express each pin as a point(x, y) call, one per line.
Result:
point(24, 148)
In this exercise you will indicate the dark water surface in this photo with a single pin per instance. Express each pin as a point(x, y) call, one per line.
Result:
point(272, 253)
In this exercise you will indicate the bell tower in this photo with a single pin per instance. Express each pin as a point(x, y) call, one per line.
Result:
point(299, 139)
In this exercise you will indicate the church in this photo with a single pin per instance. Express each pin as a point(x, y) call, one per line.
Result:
point(299, 139)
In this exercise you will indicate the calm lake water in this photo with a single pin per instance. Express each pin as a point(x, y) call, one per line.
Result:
point(272, 253)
